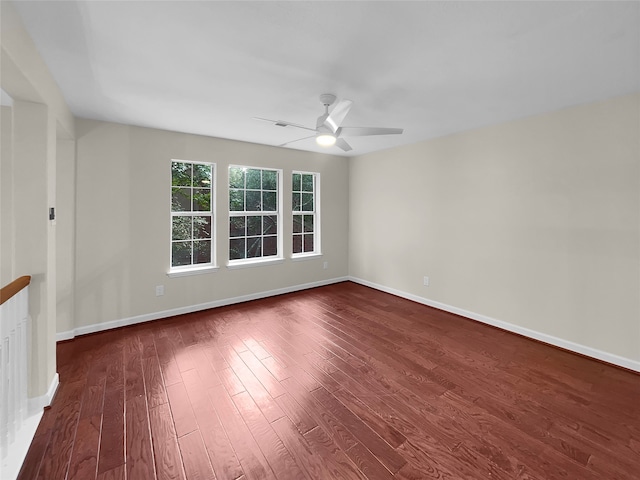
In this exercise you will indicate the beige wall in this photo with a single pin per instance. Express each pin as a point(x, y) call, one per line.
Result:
point(123, 221)
point(39, 118)
point(65, 233)
point(33, 236)
point(534, 222)
point(6, 197)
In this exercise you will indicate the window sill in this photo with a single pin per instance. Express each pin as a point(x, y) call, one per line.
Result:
point(305, 256)
point(192, 271)
point(254, 263)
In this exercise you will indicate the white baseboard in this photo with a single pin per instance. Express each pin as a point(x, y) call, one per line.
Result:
point(543, 337)
point(18, 449)
point(37, 404)
point(11, 465)
point(99, 327)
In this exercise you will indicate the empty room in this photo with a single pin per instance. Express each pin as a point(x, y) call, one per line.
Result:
point(246, 240)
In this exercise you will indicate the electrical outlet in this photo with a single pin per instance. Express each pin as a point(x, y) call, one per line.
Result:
point(325, 265)
point(159, 290)
point(426, 281)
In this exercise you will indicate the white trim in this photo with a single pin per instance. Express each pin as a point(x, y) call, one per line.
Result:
point(63, 336)
point(254, 262)
point(37, 404)
point(192, 271)
point(297, 257)
point(212, 212)
point(317, 218)
point(11, 465)
point(252, 213)
point(99, 327)
point(510, 327)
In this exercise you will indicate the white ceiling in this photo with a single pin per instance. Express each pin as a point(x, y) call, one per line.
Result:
point(432, 68)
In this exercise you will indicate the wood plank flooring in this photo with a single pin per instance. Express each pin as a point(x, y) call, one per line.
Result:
point(338, 382)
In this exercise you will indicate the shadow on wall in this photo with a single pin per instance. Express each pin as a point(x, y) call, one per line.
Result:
point(103, 293)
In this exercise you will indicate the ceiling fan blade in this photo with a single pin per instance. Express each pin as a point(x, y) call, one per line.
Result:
point(364, 131)
point(293, 141)
point(336, 117)
point(282, 123)
point(342, 143)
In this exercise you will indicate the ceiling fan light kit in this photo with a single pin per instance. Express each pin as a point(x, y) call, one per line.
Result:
point(326, 140)
point(329, 130)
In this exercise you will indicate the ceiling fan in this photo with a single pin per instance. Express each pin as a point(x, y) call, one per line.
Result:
point(329, 130)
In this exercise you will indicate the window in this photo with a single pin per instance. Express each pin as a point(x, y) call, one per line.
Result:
point(191, 215)
point(306, 218)
point(254, 214)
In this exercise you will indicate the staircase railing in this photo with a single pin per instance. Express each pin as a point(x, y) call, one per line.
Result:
point(14, 372)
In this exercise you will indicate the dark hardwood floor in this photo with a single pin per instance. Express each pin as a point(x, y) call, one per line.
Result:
point(339, 382)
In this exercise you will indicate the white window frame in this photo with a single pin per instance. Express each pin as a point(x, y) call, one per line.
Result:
point(256, 261)
point(317, 250)
point(197, 268)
